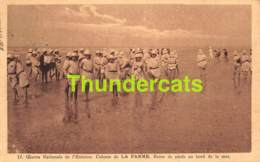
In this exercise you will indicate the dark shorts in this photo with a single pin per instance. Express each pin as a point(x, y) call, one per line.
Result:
point(52, 65)
point(29, 64)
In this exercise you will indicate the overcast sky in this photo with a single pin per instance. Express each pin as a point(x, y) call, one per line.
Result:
point(129, 25)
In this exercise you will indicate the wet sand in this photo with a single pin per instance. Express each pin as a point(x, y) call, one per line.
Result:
point(219, 120)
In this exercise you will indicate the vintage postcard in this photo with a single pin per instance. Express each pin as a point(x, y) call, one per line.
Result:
point(130, 80)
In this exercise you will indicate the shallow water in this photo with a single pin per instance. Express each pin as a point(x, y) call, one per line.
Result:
point(219, 120)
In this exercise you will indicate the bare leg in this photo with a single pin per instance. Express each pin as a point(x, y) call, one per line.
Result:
point(203, 77)
point(87, 109)
point(177, 70)
point(115, 95)
point(236, 79)
point(30, 72)
point(87, 92)
point(24, 91)
point(138, 99)
point(154, 98)
point(15, 94)
point(75, 105)
point(67, 115)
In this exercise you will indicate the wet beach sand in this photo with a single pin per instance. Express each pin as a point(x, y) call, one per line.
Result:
point(218, 120)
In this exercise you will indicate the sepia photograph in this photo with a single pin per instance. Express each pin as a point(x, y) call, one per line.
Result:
point(1, 32)
point(129, 78)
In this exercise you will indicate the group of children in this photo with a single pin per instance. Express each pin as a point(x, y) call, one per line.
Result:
point(109, 64)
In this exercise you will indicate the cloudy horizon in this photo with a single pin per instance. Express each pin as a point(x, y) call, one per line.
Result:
point(129, 25)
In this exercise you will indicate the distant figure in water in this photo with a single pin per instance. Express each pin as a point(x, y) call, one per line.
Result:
point(28, 62)
point(44, 65)
point(225, 52)
point(245, 67)
point(57, 60)
point(35, 65)
point(211, 52)
point(236, 69)
point(202, 64)
point(217, 54)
